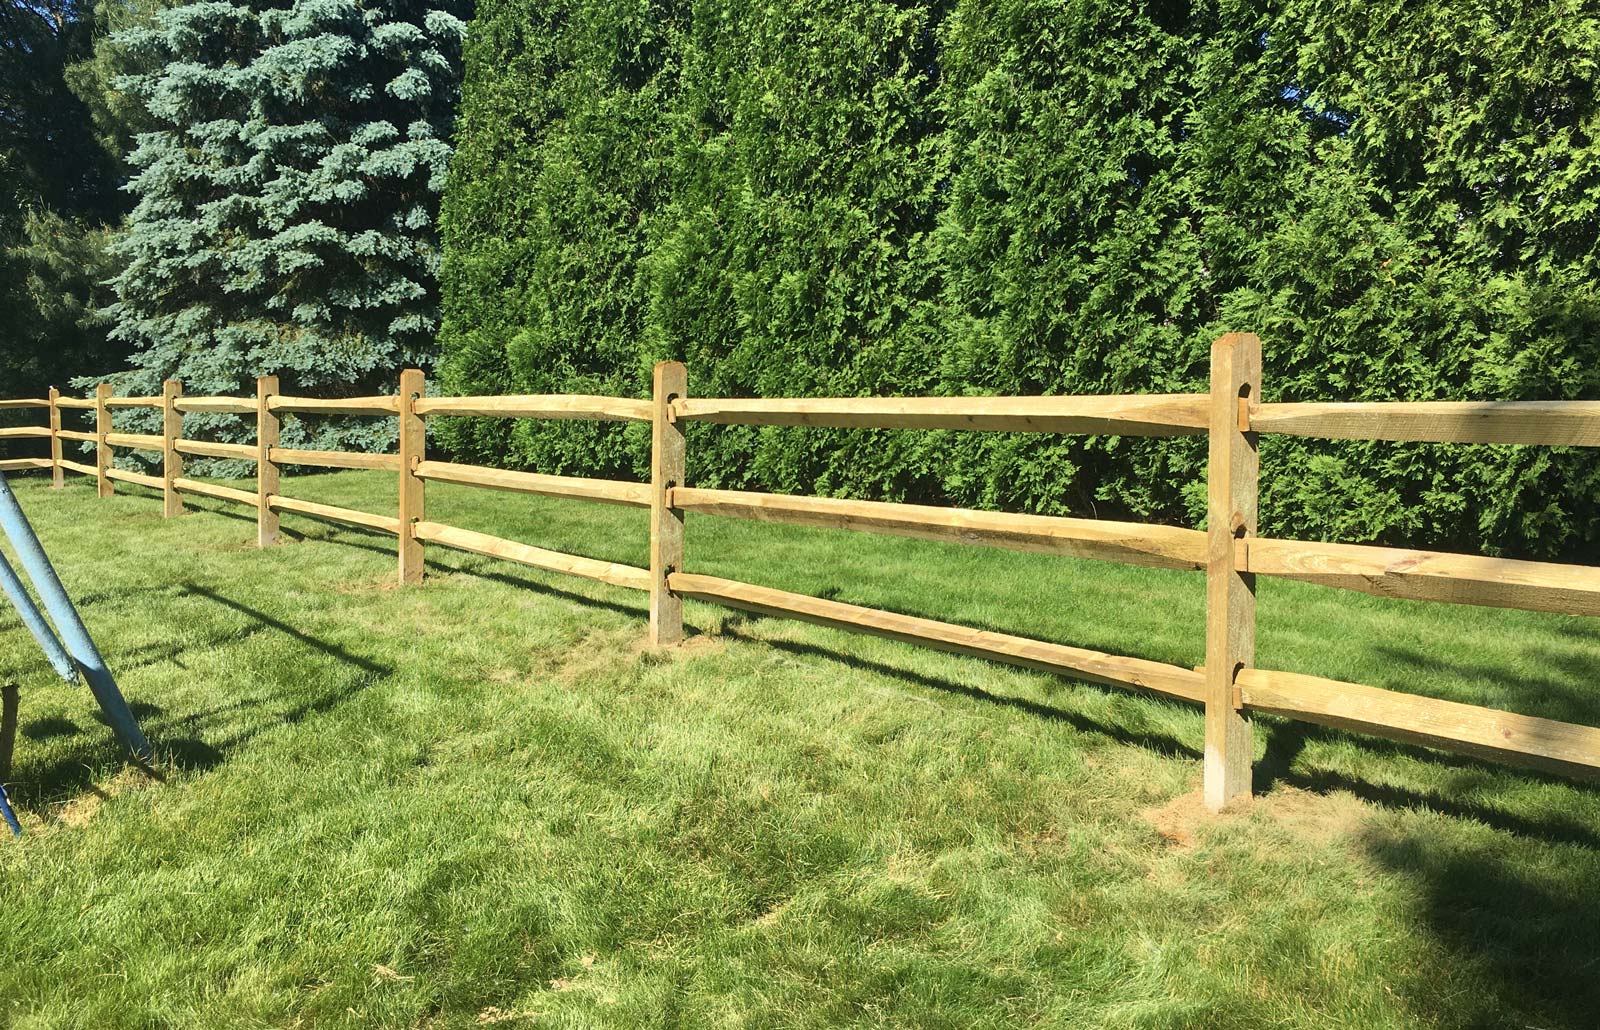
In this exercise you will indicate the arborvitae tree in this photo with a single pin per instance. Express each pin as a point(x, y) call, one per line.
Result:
point(287, 196)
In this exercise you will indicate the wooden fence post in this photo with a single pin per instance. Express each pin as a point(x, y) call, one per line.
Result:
point(102, 450)
point(413, 447)
point(171, 460)
point(1233, 475)
point(266, 468)
point(666, 522)
point(57, 473)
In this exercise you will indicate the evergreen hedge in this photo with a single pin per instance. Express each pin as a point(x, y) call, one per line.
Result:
point(1038, 196)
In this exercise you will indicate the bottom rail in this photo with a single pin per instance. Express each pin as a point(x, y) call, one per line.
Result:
point(1545, 744)
point(80, 467)
point(334, 513)
point(140, 478)
point(1076, 662)
point(554, 561)
point(222, 493)
point(16, 464)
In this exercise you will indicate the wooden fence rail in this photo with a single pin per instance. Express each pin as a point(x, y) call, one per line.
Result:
point(1228, 551)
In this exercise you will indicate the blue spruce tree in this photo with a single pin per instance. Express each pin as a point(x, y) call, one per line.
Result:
point(287, 196)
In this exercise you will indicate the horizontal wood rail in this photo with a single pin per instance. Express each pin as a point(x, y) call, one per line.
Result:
point(537, 557)
point(541, 406)
point(20, 464)
point(216, 405)
point(133, 402)
point(137, 441)
point(1166, 547)
point(384, 405)
point(73, 434)
point(75, 402)
point(17, 432)
point(1549, 423)
point(1544, 744)
point(25, 402)
point(1428, 575)
point(1171, 414)
point(79, 467)
point(607, 491)
point(335, 459)
point(382, 523)
point(139, 478)
point(207, 449)
point(221, 493)
point(1075, 662)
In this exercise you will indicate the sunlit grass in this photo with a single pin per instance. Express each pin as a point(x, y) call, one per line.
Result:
point(483, 799)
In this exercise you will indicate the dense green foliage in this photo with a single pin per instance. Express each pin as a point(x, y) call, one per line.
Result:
point(287, 194)
point(57, 190)
point(481, 804)
point(1027, 196)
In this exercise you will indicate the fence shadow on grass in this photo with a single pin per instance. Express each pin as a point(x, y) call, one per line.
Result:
point(192, 741)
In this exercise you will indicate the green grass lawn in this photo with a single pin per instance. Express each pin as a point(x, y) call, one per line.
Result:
point(483, 802)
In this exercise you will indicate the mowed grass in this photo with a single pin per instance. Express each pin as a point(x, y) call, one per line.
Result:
point(484, 802)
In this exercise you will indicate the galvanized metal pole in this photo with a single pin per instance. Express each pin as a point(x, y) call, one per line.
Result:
point(74, 634)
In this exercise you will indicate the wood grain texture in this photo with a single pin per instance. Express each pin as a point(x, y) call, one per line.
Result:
point(334, 513)
point(383, 405)
point(607, 491)
point(1130, 415)
point(20, 432)
point(1545, 744)
point(221, 493)
point(76, 402)
point(267, 473)
point(74, 434)
point(1074, 662)
point(225, 405)
point(136, 441)
point(125, 476)
point(412, 490)
point(1551, 423)
point(211, 449)
point(134, 402)
point(1429, 575)
point(20, 464)
point(1168, 547)
point(102, 450)
point(536, 557)
point(336, 459)
point(171, 460)
point(27, 402)
point(1231, 492)
point(79, 467)
point(667, 463)
point(57, 479)
point(544, 406)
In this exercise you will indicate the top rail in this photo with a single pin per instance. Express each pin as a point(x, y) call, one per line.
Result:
point(1160, 414)
point(25, 402)
point(1546, 423)
point(387, 404)
point(73, 402)
point(551, 406)
point(133, 402)
point(232, 405)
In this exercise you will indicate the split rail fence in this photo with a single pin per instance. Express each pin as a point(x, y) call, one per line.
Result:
point(1229, 551)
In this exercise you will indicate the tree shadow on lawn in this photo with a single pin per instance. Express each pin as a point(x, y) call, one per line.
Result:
point(188, 741)
point(1527, 939)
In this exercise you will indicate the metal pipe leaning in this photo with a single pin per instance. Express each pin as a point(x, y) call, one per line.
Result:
point(74, 634)
point(32, 618)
